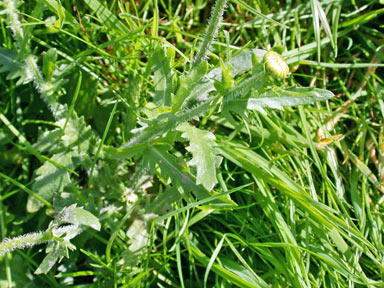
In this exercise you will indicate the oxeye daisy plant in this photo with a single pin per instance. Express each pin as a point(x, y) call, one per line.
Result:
point(165, 144)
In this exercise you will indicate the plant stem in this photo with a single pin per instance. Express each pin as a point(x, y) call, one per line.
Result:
point(30, 61)
point(213, 27)
point(23, 241)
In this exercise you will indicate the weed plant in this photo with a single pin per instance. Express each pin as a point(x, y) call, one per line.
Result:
point(191, 143)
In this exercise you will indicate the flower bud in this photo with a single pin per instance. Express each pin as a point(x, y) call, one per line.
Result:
point(276, 64)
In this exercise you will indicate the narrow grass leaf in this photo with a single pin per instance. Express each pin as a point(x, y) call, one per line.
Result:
point(107, 18)
point(316, 27)
point(324, 22)
point(238, 278)
point(212, 259)
point(254, 11)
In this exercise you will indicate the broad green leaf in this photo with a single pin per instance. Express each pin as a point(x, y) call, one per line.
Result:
point(226, 78)
point(201, 88)
point(202, 146)
point(162, 78)
point(19, 267)
point(239, 63)
point(139, 236)
point(77, 136)
point(79, 216)
point(170, 167)
point(161, 125)
point(50, 180)
point(87, 95)
point(278, 98)
point(118, 153)
point(138, 232)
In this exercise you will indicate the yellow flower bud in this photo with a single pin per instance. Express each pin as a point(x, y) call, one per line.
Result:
point(276, 64)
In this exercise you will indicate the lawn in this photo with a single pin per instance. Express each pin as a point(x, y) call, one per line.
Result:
point(223, 143)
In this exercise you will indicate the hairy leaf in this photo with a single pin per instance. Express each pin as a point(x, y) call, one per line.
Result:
point(239, 63)
point(161, 125)
point(49, 63)
point(15, 69)
point(79, 216)
point(162, 78)
point(278, 98)
point(236, 98)
point(50, 180)
point(49, 260)
point(169, 167)
point(188, 84)
point(202, 146)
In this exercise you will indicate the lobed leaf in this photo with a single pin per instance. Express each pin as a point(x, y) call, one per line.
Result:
point(202, 146)
point(14, 68)
point(158, 155)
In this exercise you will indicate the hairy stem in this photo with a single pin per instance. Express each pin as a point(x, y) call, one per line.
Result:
point(24, 241)
point(213, 27)
point(30, 62)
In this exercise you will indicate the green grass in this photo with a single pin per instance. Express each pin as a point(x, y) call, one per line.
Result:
point(190, 165)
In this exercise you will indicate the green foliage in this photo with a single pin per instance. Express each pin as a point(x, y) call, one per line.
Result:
point(50, 180)
point(161, 127)
point(169, 167)
point(291, 96)
point(162, 78)
point(188, 84)
point(202, 146)
point(14, 68)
